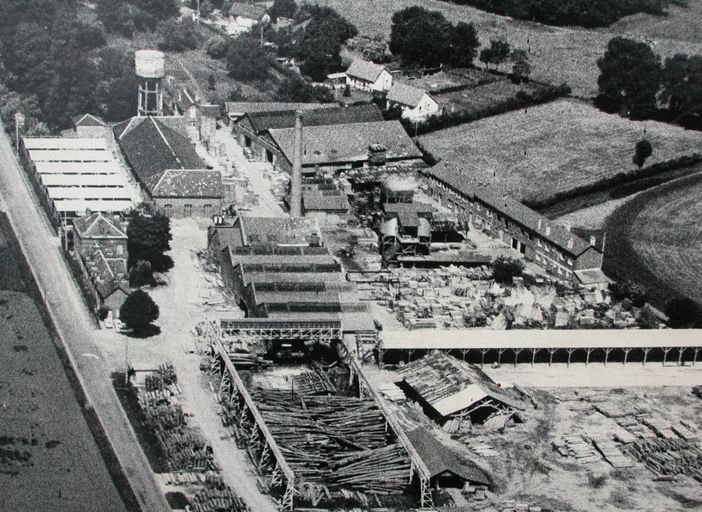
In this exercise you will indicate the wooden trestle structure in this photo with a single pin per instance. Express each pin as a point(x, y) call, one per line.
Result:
point(252, 426)
point(322, 331)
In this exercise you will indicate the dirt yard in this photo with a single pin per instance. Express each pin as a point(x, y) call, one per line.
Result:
point(527, 469)
point(532, 154)
point(48, 457)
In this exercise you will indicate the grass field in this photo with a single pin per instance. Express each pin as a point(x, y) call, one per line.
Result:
point(537, 152)
point(684, 24)
point(557, 54)
point(48, 457)
point(656, 240)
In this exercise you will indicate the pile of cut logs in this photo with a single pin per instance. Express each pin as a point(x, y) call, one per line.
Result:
point(315, 382)
point(668, 457)
point(217, 500)
point(337, 441)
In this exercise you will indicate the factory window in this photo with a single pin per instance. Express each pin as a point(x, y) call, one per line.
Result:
point(120, 250)
point(187, 210)
point(167, 209)
point(206, 210)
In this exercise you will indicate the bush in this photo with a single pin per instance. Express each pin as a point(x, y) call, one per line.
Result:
point(295, 89)
point(179, 36)
point(216, 47)
point(138, 310)
point(247, 61)
point(102, 313)
point(141, 275)
point(629, 290)
point(596, 481)
point(505, 269)
point(683, 314)
point(642, 151)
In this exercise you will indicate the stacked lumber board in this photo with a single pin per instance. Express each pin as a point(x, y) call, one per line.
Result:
point(163, 377)
point(611, 453)
point(335, 441)
point(668, 457)
point(577, 446)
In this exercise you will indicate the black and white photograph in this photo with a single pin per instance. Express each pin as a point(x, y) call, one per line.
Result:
point(350, 255)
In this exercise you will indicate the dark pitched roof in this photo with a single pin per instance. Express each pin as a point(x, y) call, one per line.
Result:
point(99, 226)
point(405, 94)
point(251, 11)
point(107, 275)
point(151, 148)
point(317, 200)
point(439, 458)
point(88, 120)
point(262, 121)
point(365, 70)
point(245, 107)
point(513, 209)
point(189, 183)
point(347, 142)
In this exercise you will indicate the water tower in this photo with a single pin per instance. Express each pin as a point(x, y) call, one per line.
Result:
point(150, 70)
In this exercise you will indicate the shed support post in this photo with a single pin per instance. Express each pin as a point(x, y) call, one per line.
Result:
point(607, 351)
point(665, 354)
point(499, 355)
point(483, 351)
point(381, 365)
point(680, 353)
point(516, 355)
point(409, 355)
point(694, 360)
point(570, 353)
point(464, 353)
point(645, 351)
point(533, 355)
point(626, 354)
point(551, 351)
point(588, 351)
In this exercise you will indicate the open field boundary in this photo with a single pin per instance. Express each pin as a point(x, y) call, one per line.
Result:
point(622, 262)
point(77, 384)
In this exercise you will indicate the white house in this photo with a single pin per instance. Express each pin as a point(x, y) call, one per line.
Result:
point(368, 76)
point(415, 103)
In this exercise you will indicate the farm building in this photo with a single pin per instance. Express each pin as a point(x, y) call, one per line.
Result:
point(453, 391)
point(446, 467)
point(200, 118)
point(245, 15)
point(539, 239)
point(74, 174)
point(347, 146)
point(170, 172)
point(100, 249)
point(368, 76)
point(252, 129)
point(414, 102)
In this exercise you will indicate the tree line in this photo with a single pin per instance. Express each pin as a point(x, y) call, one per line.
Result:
point(635, 83)
point(584, 13)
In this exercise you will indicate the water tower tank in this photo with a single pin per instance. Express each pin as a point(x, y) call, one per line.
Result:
point(150, 64)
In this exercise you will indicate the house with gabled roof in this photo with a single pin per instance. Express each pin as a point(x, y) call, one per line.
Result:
point(368, 76)
point(107, 231)
point(414, 102)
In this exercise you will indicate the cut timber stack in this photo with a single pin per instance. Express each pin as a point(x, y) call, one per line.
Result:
point(340, 443)
point(611, 452)
point(315, 382)
point(668, 457)
point(577, 446)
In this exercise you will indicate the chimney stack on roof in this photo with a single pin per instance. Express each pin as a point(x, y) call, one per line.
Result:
point(296, 177)
point(593, 241)
point(538, 226)
point(548, 230)
point(570, 243)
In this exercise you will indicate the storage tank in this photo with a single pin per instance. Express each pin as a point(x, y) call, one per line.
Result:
point(150, 69)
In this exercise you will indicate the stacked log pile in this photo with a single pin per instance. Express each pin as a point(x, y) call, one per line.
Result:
point(338, 442)
point(611, 452)
point(576, 445)
point(668, 457)
point(314, 382)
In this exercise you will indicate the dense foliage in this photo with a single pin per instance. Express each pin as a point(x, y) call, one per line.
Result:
point(630, 77)
point(247, 60)
point(148, 238)
point(495, 54)
point(506, 269)
point(285, 8)
point(425, 38)
point(682, 89)
point(138, 310)
point(295, 89)
point(683, 314)
point(642, 151)
point(586, 13)
point(179, 35)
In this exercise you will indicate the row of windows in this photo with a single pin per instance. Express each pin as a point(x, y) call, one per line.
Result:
point(188, 210)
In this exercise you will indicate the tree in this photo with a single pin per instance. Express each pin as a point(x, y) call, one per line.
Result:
point(211, 82)
point(148, 238)
point(520, 67)
point(421, 37)
point(246, 60)
point(141, 275)
point(505, 269)
point(682, 88)
point(629, 290)
point(179, 35)
point(284, 8)
point(159, 9)
point(496, 53)
point(630, 76)
point(683, 314)
point(642, 151)
point(295, 89)
point(464, 45)
point(138, 310)
point(647, 319)
point(216, 47)
point(117, 87)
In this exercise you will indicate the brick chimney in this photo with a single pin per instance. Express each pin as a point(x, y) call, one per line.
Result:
point(593, 241)
point(296, 177)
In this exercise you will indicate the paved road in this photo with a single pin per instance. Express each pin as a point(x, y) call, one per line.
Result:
point(65, 304)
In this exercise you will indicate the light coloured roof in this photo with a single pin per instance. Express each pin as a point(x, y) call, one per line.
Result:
point(343, 143)
point(80, 205)
point(84, 180)
point(405, 94)
point(109, 167)
point(108, 193)
point(365, 70)
point(459, 401)
point(445, 339)
point(48, 143)
point(70, 155)
point(189, 183)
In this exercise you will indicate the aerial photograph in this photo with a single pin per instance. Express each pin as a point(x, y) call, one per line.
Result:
point(351, 255)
